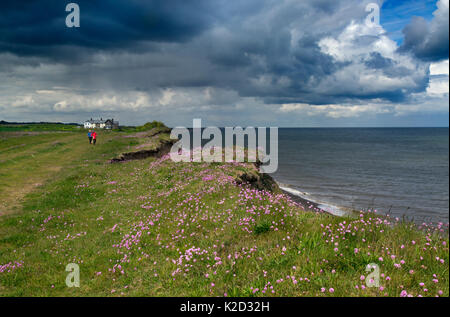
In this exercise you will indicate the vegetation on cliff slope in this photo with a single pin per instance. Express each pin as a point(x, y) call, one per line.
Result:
point(157, 228)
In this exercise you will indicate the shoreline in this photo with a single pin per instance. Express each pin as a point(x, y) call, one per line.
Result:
point(296, 196)
point(338, 211)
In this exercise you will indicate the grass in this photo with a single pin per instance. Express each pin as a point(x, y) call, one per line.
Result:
point(33, 127)
point(159, 228)
point(262, 227)
point(146, 127)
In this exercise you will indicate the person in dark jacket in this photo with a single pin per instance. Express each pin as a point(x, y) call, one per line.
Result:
point(90, 137)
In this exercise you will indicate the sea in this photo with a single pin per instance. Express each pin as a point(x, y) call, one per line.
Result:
point(403, 172)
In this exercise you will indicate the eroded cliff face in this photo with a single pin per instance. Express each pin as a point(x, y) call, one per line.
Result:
point(250, 175)
point(256, 179)
point(161, 149)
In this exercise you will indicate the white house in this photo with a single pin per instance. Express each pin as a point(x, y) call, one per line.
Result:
point(101, 124)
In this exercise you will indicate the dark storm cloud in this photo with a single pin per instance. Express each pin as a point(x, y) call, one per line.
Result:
point(429, 41)
point(38, 27)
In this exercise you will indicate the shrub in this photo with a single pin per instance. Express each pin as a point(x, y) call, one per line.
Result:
point(262, 227)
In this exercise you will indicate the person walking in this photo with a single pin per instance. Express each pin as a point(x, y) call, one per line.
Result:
point(90, 137)
point(94, 136)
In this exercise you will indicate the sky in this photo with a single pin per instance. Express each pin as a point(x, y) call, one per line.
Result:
point(277, 63)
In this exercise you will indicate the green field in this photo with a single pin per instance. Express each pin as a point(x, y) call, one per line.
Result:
point(158, 228)
point(35, 127)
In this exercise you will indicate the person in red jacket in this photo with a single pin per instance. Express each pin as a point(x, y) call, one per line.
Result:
point(94, 137)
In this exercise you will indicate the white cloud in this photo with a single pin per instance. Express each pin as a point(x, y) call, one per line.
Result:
point(336, 111)
point(438, 86)
point(24, 102)
point(439, 79)
point(347, 45)
point(372, 63)
point(440, 68)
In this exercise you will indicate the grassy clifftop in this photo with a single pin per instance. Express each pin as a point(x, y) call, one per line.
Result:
point(153, 227)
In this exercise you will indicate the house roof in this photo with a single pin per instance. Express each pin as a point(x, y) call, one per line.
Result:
point(105, 122)
point(101, 121)
point(95, 121)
